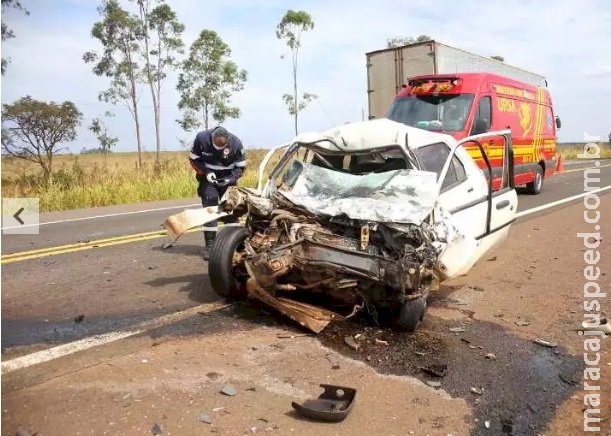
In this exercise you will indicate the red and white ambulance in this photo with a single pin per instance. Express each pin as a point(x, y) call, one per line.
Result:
point(466, 104)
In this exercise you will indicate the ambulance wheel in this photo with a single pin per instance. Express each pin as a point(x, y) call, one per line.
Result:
point(411, 314)
point(534, 187)
point(228, 279)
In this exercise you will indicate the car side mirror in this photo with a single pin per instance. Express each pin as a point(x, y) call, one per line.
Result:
point(558, 123)
point(480, 125)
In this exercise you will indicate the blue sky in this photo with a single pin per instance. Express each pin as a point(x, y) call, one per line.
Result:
point(566, 41)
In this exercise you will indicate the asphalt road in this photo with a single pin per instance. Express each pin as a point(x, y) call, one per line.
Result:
point(65, 297)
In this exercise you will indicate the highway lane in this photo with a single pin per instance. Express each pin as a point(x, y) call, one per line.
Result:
point(72, 227)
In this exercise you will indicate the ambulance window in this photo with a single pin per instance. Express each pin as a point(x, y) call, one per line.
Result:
point(483, 118)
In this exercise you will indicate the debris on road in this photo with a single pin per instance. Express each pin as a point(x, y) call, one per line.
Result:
point(491, 356)
point(349, 340)
point(477, 391)
point(487, 424)
point(79, 318)
point(545, 343)
point(522, 323)
point(457, 329)
point(214, 375)
point(381, 342)
point(436, 370)
point(229, 390)
point(156, 430)
point(492, 259)
point(205, 418)
point(433, 383)
point(333, 405)
point(336, 366)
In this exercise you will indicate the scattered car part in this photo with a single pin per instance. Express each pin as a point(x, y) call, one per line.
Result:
point(333, 405)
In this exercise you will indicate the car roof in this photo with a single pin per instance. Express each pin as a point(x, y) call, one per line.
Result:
point(372, 134)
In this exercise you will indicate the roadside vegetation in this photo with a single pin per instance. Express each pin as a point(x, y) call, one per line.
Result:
point(92, 180)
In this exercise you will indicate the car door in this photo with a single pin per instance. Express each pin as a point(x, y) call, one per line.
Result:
point(480, 220)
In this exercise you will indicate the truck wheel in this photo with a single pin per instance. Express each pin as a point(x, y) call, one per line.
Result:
point(228, 280)
point(534, 187)
point(411, 314)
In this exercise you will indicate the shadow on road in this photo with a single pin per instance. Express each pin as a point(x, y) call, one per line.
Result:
point(187, 249)
point(197, 286)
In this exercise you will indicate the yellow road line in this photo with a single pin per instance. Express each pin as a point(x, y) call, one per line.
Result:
point(83, 244)
point(64, 249)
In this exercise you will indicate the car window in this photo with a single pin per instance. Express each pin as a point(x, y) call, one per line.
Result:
point(456, 174)
point(433, 157)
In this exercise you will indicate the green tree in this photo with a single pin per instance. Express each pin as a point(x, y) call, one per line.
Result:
point(35, 130)
point(400, 41)
point(100, 129)
point(208, 79)
point(7, 32)
point(290, 28)
point(498, 58)
point(118, 33)
point(161, 33)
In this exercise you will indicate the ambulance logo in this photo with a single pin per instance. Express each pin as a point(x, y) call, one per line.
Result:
point(525, 118)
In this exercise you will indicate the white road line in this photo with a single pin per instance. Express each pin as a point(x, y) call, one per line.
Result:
point(110, 215)
point(559, 202)
point(97, 340)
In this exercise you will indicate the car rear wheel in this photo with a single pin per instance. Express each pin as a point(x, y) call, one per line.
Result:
point(534, 187)
point(411, 314)
point(227, 276)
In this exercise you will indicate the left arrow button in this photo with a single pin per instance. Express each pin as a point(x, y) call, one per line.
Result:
point(17, 217)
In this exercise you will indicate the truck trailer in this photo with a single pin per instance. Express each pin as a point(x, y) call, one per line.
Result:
point(389, 69)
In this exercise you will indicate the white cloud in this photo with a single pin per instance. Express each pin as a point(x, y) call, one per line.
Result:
point(561, 40)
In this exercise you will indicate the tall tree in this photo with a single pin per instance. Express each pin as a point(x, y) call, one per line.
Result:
point(161, 33)
point(35, 130)
point(208, 79)
point(290, 28)
point(100, 129)
point(118, 33)
point(400, 41)
point(7, 32)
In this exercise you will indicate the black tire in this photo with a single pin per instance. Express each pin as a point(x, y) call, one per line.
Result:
point(411, 314)
point(535, 186)
point(220, 266)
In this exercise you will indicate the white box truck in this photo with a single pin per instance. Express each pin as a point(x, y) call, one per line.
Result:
point(389, 69)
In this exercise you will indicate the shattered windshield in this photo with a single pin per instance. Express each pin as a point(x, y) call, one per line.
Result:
point(400, 196)
point(448, 112)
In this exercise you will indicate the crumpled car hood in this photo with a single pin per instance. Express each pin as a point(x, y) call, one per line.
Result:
point(402, 196)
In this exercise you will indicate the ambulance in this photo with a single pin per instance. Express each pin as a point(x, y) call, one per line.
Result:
point(466, 104)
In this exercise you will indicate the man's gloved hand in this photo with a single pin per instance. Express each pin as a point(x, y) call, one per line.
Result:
point(211, 177)
point(222, 182)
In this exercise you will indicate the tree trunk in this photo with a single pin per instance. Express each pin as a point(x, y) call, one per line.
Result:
point(136, 121)
point(295, 92)
point(206, 116)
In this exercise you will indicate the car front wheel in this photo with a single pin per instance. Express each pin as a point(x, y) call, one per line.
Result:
point(411, 314)
point(226, 272)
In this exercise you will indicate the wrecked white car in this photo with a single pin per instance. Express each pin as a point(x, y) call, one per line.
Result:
point(364, 216)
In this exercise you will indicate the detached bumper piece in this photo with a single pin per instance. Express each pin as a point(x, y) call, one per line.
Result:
point(333, 405)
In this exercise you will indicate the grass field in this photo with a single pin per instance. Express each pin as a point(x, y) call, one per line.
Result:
point(91, 180)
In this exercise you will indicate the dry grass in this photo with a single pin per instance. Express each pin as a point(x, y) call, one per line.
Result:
point(82, 181)
point(571, 150)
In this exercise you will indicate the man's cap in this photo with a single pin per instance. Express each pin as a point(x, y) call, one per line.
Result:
point(220, 131)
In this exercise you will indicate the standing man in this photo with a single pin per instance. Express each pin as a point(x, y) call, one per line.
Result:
point(219, 160)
